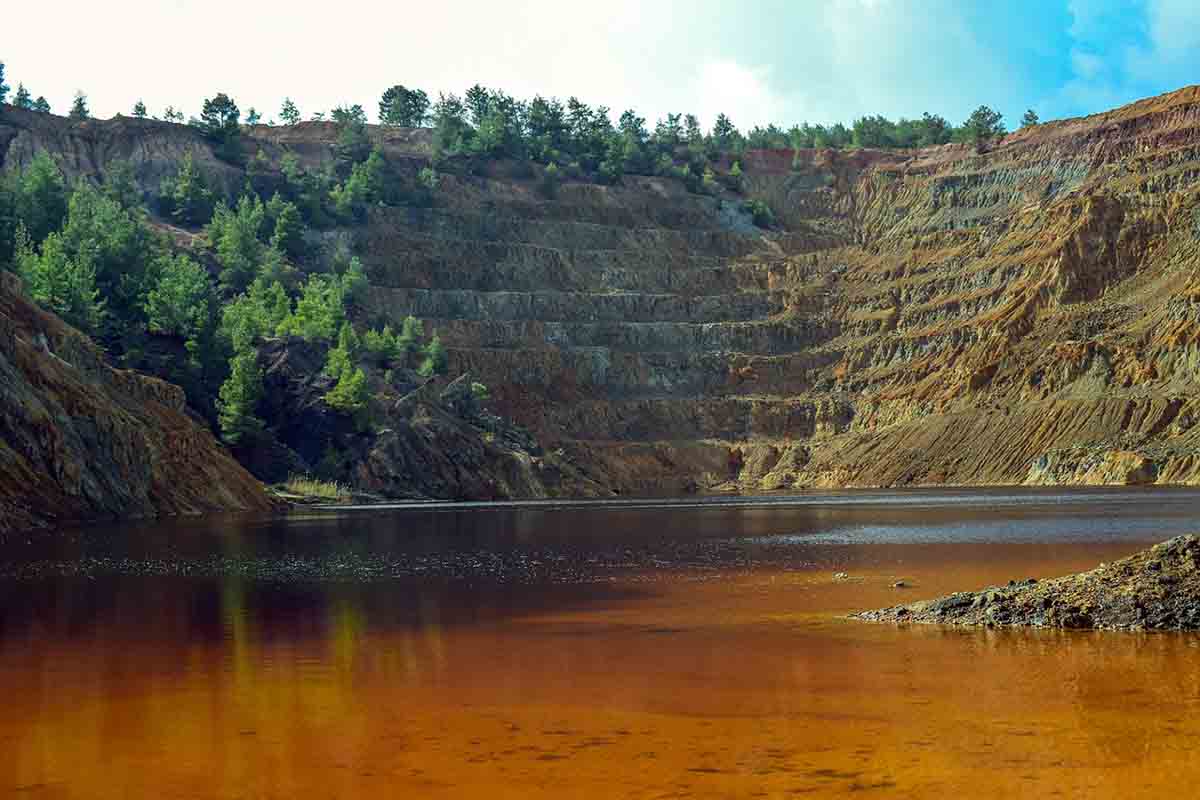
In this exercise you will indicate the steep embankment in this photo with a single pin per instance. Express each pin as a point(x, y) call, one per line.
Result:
point(1026, 315)
point(80, 440)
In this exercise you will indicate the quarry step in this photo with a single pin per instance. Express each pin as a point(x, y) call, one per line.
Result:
point(555, 306)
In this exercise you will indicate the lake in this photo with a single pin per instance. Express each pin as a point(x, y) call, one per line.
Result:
point(689, 648)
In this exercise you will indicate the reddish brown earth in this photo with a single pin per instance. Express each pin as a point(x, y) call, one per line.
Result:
point(1028, 315)
point(80, 440)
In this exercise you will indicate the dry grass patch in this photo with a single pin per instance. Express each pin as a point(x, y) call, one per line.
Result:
point(308, 486)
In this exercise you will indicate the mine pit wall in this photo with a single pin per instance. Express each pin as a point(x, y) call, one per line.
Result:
point(1023, 315)
point(1029, 314)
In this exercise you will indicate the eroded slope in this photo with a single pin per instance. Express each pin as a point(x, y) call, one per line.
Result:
point(80, 440)
point(1025, 315)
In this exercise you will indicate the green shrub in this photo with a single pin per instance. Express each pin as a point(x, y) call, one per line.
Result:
point(350, 393)
point(763, 216)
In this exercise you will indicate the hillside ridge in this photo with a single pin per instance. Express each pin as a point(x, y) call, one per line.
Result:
point(81, 441)
point(1023, 315)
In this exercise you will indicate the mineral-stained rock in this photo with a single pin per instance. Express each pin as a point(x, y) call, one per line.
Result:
point(1028, 315)
point(82, 441)
point(436, 441)
point(1156, 589)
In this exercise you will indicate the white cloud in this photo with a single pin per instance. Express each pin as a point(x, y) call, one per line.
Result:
point(771, 60)
point(743, 93)
point(836, 60)
point(1119, 57)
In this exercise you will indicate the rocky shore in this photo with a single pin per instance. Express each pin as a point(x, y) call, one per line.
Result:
point(1156, 589)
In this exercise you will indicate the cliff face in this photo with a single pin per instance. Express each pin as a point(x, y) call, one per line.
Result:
point(431, 438)
point(80, 440)
point(1026, 315)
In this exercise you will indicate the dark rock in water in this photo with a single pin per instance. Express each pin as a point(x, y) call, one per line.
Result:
point(1156, 589)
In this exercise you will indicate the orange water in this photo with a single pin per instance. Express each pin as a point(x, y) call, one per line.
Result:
point(657, 681)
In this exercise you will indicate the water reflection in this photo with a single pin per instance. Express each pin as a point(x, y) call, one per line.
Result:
point(614, 652)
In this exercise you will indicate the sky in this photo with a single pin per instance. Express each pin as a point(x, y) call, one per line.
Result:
point(759, 61)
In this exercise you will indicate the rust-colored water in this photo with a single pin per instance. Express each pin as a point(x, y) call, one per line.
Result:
point(691, 652)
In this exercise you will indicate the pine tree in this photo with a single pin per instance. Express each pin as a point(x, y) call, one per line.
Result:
point(178, 303)
point(1030, 119)
point(22, 99)
point(355, 284)
point(252, 116)
point(288, 233)
point(342, 357)
point(982, 126)
point(381, 345)
point(79, 108)
point(41, 197)
point(407, 108)
point(3, 85)
point(239, 396)
point(41, 105)
point(350, 393)
point(336, 362)
point(219, 123)
point(435, 358)
point(139, 109)
point(186, 197)
point(289, 113)
point(233, 234)
point(410, 335)
point(59, 281)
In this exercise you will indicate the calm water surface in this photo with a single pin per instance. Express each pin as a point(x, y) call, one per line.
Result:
point(661, 649)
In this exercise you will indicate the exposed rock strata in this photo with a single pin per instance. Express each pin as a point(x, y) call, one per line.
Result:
point(1156, 589)
point(435, 440)
point(82, 441)
point(937, 316)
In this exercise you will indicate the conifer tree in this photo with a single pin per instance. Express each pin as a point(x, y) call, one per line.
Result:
point(289, 113)
point(239, 396)
point(435, 358)
point(79, 107)
point(350, 393)
point(22, 99)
